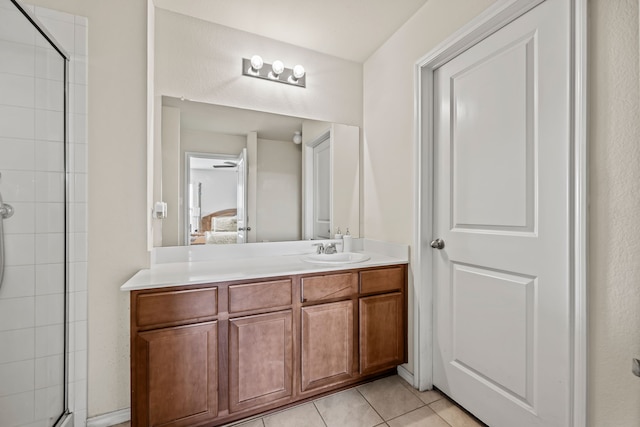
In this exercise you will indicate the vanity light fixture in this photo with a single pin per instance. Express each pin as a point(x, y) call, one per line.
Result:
point(297, 137)
point(276, 72)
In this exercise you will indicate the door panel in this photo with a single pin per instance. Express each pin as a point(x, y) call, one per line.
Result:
point(260, 360)
point(327, 344)
point(501, 170)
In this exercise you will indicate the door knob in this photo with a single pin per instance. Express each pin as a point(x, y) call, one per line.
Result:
point(437, 244)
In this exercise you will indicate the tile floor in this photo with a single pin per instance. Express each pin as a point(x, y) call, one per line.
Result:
point(388, 402)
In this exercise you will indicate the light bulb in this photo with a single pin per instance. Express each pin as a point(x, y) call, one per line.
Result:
point(298, 71)
point(277, 67)
point(297, 137)
point(256, 62)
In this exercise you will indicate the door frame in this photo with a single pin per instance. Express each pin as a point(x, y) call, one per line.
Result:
point(492, 19)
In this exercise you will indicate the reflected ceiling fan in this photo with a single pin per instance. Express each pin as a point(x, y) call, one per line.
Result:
point(227, 164)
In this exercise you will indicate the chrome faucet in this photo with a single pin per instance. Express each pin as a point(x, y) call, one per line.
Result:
point(319, 248)
point(330, 248)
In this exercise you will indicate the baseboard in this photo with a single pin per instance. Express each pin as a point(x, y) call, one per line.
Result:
point(406, 375)
point(110, 419)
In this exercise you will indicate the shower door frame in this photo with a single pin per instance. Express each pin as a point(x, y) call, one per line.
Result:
point(65, 417)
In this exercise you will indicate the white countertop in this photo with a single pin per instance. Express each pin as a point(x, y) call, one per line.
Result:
point(223, 269)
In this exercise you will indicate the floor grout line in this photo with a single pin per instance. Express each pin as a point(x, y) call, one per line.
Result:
point(319, 413)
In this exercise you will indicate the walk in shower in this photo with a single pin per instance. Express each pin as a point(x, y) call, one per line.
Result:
point(34, 287)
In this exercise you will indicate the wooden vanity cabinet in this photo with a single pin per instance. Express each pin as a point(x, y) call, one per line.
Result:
point(207, 355)
point(328, 338)
point(174, 363)
point(383, 319)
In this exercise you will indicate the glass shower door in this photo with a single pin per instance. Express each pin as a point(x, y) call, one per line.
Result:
point(33, 292)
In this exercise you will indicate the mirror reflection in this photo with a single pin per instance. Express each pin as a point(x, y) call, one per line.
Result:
point(232, 175)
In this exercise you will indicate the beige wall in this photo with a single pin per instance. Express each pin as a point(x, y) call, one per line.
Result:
point(614, 127)
point(279, 191)
point(388, 111)
point(614, 279)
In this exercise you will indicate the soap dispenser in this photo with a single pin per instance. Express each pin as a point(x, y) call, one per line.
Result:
point(347, 241)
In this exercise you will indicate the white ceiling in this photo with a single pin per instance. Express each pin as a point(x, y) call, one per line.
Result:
point(349, 29)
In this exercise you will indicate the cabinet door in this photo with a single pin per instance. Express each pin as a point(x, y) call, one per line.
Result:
point(176, 380)
point(260, 360)
point(327, 344)
point(381, 332)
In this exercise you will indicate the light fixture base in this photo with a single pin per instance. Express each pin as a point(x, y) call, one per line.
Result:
point(264, 73)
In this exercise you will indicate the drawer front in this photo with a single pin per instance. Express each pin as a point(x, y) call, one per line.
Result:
point(256, 296)
point(330, 286)
point(176, 306)
point(383, 280)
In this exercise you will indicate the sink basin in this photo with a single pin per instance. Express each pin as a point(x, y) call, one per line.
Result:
point(339, 258)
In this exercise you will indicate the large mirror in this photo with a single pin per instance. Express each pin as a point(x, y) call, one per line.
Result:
point(233, 175)
point(223, 167)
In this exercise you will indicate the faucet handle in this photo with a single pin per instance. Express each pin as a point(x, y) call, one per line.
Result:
point(319, 248)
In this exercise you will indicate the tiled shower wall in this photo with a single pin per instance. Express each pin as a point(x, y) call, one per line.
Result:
point(31, 132)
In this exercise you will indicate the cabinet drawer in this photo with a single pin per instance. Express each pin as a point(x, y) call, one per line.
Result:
point(176, 306)
point(255, 296)
point(330, 286)
point(383, 280)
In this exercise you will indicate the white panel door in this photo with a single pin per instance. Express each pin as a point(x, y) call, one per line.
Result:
point(501, 206)
point(242, 220)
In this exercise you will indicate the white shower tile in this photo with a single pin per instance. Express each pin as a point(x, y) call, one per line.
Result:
point(20, 249)
point(71, 357)
point(49, 248)
point(17, 90)
point(80, 394)
point(17, 345)
point(79, 218)
point(17, 313)
point(49, 187)
point(80, 418)
point(80, 158)
point(62, 32)
point(23, 219)
point(49, 64)
point(6, 4)
point(79, 276)
point(17, 186)
point(49, 218)
point(49, 94)
point(81, 20)
point(78, 249)
point(81, 365)
point(49, 156)
point(19, 281)
point(81, 335)
point(43, 12)
point(49, 403)
point(49, 279)
point(17, 409)
point(49, 340)
point(16, 377)
point(49, 371)
point(16, 28)
point(80, 39)
point(78, 99)
point(49, 125)
point(16, 154)
point(49, 309)
point(79, 123)
point(80, 70)
point(71, 344)
point(17, 122)
point(80, 305)
point(80, 188)
point(17, 58)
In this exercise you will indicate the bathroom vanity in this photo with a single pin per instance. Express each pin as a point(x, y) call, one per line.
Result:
point(220, 350)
